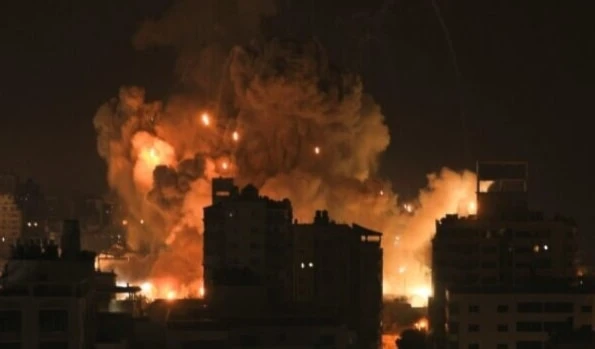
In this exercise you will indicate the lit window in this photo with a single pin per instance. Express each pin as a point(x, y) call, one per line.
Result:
point(545, 247)
point(311, 264)
point(536, 248)
point(303, 265)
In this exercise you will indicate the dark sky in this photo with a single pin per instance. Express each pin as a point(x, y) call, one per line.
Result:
point(527, 71)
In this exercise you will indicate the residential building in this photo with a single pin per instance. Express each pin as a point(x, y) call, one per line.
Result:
point(254, 253)
point(246, 240)
point(503, 244)
point(516, 317)
point(47, 299)
point(339, 267)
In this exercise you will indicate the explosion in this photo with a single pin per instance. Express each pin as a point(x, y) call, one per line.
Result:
point(290, 104)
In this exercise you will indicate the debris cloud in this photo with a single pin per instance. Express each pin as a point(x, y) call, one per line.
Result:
point(279, 116)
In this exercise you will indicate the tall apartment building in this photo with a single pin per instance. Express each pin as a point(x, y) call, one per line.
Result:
point(504, 245)
point(334, 268)
point(246, 240)
point(339, 267)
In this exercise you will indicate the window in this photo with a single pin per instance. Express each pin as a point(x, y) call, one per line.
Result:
point(473, 328)
point(559, 307)
point(10, 321)
point(502, 308)
point(529, 307)
point(526, 326)
point(53, 321)
point(551, 326)
point(474, 308)
point(586, 309)
point(528, 345)
point(502, 328)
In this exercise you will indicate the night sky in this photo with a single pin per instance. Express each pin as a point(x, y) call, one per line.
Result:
point(527, 70)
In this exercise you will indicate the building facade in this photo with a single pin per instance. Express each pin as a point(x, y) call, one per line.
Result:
point(246, 239)
point(516, 318)
point(503, 244)
point(339, 267)
point(251, 240)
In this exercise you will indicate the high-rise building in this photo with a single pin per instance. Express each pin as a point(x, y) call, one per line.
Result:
point(335, 268)
point(246, 239)
point(504, 244)
point(339, 267)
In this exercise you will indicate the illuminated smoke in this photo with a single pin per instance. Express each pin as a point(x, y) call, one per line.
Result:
point(308, 133)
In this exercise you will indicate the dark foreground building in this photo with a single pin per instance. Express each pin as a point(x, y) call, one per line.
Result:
point(336, 269)
point(504, 246)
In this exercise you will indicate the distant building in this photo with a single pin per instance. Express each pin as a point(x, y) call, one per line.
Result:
point(10, 220)
point(503, 244)
point(516, 317)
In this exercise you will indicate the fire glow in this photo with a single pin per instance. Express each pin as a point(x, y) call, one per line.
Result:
point(162, 170)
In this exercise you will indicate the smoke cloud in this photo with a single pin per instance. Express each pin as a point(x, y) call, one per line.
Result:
point(279, 116)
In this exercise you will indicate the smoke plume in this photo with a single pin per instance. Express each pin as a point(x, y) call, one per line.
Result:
point(279, 116)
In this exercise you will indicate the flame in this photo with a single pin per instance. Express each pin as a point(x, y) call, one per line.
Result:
point(171, 295)
point(421, 325)
point(235, 136)
point(225, 165)
point(206, 120)
point(316, 150)
point(472, 208)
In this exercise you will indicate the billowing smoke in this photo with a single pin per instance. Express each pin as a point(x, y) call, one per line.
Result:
point(281, 117)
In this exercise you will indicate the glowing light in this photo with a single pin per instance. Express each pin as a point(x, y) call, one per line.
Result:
point(311, 265)
point(536, 248)
point(302, 265)
point(206, 120)
point(235, 136)
point(408, 208)
point(402, 270)
point(421, 325)
point(545, 247)
point(316, 150)
point(201, 292)
point(146, 288)
point(472, 207)
point(381, 192)
point(171, 295)
point(422, 291)
point(142, 221)
point(124, 222)
point(225, 165)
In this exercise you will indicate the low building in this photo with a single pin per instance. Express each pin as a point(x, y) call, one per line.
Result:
point(516, 317)
point(193, 324)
